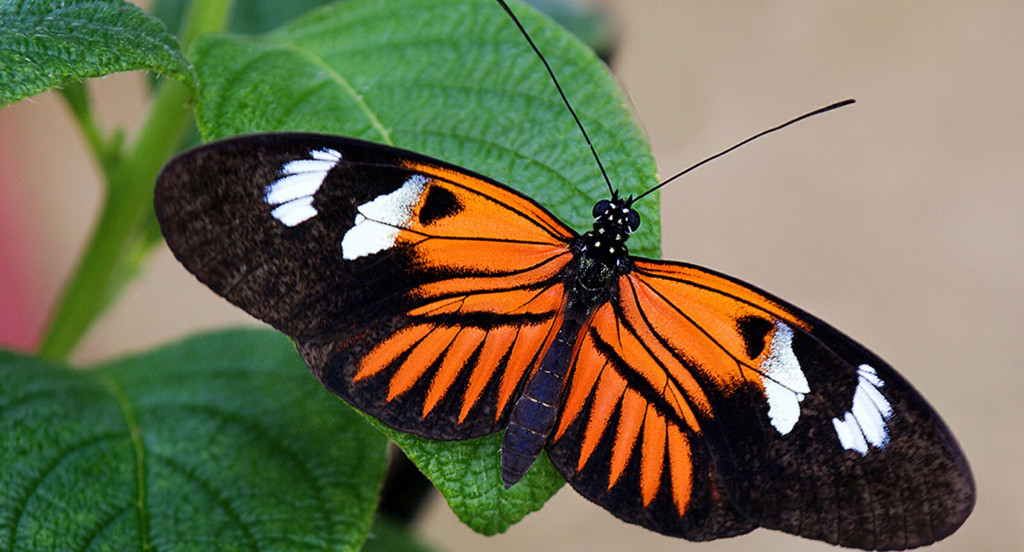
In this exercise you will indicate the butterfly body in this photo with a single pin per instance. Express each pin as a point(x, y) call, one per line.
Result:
point(598, 258)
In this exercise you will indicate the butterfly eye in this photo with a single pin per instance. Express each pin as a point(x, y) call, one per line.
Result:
point(633, 220)
point(601, 208)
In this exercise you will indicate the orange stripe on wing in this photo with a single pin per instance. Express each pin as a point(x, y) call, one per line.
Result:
point(698, 313)
point(494, 348)
point(680, 464)
point(631, 419)
point(586, 368)
point(652, 462)
point(385, 353)
point(610, 388)
point(466, 343)
point(546, 273)
point(420, 359)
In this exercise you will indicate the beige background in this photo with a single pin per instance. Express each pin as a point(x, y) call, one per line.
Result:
point(899, 219)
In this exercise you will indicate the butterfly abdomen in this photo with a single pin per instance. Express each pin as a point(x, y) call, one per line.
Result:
point(536, 410)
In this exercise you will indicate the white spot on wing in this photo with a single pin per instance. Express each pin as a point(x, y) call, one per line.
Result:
point(294, 212)
point(379, 221)
point(865, 423)
point(300, 180)
point(783, 379)
point(849, 434)
point(294, 186)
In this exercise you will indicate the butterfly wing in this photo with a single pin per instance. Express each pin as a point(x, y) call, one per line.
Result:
point(706, 407)
point(417, 291)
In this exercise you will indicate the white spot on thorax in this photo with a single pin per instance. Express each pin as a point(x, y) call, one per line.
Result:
point(379, 221)
point(864, 424)
point(783, 380)
point(300, 180)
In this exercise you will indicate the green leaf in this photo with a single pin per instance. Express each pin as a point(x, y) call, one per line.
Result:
point(456, 80)
point(222, 441)
point(52, 43)
point(453, 79)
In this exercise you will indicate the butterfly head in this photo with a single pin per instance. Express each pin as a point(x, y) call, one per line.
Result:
point(614, 220)
point(616, 214)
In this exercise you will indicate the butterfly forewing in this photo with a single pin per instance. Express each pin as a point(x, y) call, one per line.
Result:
point(700, 406)
point(419, 292)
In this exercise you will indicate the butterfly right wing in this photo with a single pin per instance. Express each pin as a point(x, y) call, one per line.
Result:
point(421, 293)
point(700, 406)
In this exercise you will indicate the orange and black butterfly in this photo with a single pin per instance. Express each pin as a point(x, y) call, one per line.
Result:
point(450, 306)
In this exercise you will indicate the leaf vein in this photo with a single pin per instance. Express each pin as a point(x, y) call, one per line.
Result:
point(131, 420)
point(223, 501)
point(339, 79)
point(273, 441)
point(51, 467)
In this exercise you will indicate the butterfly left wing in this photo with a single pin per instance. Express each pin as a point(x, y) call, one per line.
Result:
point(416, 290)
point(699, 406)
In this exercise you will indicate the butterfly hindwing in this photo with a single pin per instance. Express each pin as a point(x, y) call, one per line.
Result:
point(629, 437)
point(699, 406)
point(418, 291)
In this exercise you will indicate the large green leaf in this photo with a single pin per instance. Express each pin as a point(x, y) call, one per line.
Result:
point(219, 442)
point(453, 79)
point(456, 80)
point(52, 43)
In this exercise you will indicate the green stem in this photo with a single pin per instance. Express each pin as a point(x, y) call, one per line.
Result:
point(76, 95)
point(118, 242)
point(204, 16)
point(105, 265)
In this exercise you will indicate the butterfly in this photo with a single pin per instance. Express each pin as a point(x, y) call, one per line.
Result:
point(448, 305)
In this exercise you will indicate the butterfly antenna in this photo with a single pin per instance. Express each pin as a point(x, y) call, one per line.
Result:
point(747, 141)
point(565, 100)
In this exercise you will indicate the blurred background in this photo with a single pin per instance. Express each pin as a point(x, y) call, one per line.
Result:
point(900, 219)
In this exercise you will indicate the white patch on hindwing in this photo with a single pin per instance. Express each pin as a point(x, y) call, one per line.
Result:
point(783, 379)
point(300, 179)
point(379, 221)
point(864, 424)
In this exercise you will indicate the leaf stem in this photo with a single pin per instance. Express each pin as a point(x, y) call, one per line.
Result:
point(118, 245)
point(76, 95)
point(106, 265)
